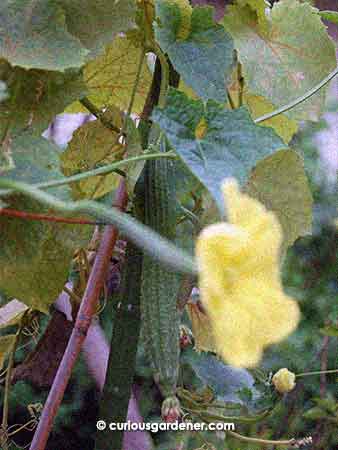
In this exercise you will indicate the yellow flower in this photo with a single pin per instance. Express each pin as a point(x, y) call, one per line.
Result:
point(284, 380)
point(240, 282)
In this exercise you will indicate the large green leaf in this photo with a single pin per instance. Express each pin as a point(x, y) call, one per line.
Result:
point(35, 256)
point(93, 144)
point(204, 58)
point(35, 97)
point(280, 183)
point(215, 143)
point(111, 76)
point(281, 65)
point(33, 35)
point(34, 160)
point(95, 23)
point(226, 381)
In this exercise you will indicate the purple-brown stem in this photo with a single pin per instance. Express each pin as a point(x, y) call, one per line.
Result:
point(43, 217)
point(82, 323)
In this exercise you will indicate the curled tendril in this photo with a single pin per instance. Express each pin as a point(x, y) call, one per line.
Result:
point(32, 330)
point(4, 436)
point(101, 307)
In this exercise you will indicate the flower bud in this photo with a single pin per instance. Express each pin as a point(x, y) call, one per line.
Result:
point(171, 409)
point(284, 380)
point(185, 337)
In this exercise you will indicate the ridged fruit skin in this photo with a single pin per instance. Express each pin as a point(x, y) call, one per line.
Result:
point(160, 316)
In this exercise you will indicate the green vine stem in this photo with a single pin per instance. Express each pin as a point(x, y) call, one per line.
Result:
point(190, 402)
point(99, 114)
point(142, 236)
point(288, 442)
point(121, 365)
point(298, 100)
point(206, 416)
point(317, 372)
point(4, 424)
point(104, 170)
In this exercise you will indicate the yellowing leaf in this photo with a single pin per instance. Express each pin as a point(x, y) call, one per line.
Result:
point(201, 329)
point(36, 255)
point(201, 129)
point(110, 77)
point(6, 345)
point(39, 97)
point(188, 91)
point(258, 106)
point(93, 144)
point(183, 30)
point(260, 7)
point(281, 65)
point(240, 282)
point(286, 128)
point(11, 313)
point(280, 183)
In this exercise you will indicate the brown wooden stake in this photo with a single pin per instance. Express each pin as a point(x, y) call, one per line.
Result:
point(82, 323)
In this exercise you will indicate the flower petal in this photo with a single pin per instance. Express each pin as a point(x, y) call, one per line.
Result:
point(240, 282)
